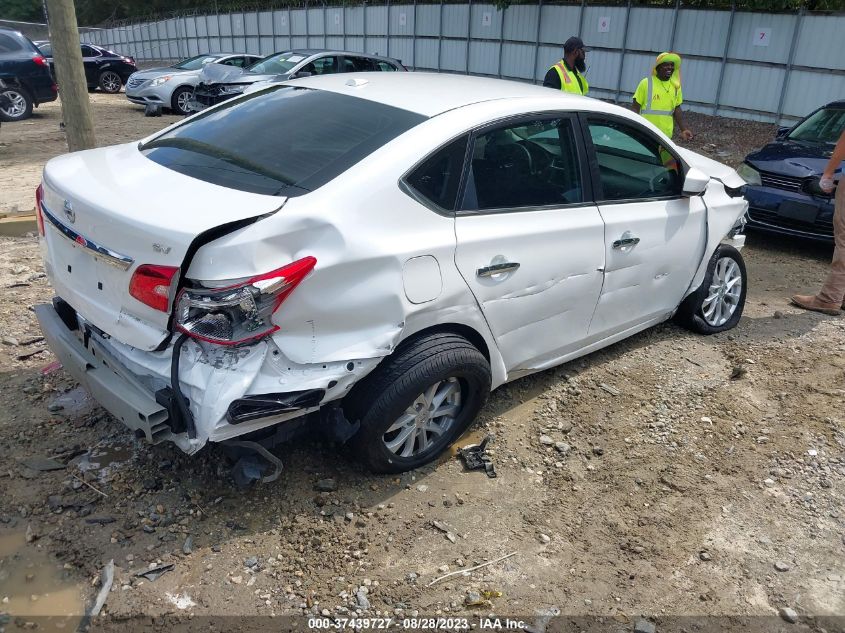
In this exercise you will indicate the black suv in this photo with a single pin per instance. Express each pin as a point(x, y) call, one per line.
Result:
point(104, 69)
point(25, 79)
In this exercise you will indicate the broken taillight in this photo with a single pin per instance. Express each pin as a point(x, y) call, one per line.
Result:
point(152, 285)
point(241, 312)
point(39, 216)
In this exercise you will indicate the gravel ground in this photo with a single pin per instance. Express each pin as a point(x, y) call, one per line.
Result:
point(668, 475)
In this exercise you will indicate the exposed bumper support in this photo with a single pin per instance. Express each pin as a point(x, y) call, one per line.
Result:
point(110, 384)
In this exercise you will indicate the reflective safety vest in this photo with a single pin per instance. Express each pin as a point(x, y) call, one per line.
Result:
point(569, 79)
point(661, 117)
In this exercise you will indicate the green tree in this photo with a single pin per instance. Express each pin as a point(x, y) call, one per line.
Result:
point(23, 10)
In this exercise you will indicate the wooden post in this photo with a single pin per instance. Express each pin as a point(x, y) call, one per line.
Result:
point(70, 74)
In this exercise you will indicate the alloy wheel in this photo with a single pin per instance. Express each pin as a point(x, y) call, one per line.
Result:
point(430, 416)
point(182, 101)
point(110, 81)
point(17, 107)
point(724, 292)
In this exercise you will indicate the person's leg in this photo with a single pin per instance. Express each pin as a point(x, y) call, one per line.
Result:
point(833, 290)
point(831, 296)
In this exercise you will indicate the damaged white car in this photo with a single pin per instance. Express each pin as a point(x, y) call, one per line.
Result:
point(385, 248)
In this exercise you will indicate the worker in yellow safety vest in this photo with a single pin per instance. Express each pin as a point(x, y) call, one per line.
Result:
point(568, 74)
point(659, 96)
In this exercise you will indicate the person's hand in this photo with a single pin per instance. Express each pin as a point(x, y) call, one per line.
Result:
point(826, 183)
point(686, 135)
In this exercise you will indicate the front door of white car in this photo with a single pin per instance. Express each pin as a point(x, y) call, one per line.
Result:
point(530, 241)
point(654, 236)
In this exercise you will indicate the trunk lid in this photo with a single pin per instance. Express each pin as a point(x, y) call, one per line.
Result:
point(110, 210)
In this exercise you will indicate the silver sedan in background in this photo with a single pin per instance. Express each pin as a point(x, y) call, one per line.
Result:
point(172, 86)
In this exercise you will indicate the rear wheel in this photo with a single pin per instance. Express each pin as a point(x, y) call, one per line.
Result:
point(418, 401)
point(180, 99)
point(718, 303)
point(17, 104)
point(110, 82)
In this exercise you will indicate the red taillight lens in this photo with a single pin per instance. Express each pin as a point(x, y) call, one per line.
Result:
point(38, 59)
point(242, 312)
point(39, 217)
point(152, 285)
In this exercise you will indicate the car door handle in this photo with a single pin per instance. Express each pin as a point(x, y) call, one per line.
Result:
point(497, 269)
point(626, 241)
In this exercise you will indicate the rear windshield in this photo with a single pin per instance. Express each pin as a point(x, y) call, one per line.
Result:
point(823, 126)
point(281, 141)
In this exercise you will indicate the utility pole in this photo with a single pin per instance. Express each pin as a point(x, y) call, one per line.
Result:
point(70, 75)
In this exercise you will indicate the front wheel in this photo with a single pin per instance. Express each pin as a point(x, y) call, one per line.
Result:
point(418, 401)
point(17, 104)
point(110, 82)
point(718, 303)
point(180, 100)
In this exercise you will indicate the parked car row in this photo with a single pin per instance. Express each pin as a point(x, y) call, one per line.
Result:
point(196, 83)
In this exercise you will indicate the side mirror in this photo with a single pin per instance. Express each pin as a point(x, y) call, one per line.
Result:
point(695, 182)
point(301, 74)
point(782, 132)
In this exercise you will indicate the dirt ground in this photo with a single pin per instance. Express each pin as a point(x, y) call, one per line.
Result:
point(687, 476)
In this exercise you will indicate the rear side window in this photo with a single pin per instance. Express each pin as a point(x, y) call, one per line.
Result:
point(9, 44)
point(89, 51)
point(530, 164)
point(282, 141)
point(438, 177)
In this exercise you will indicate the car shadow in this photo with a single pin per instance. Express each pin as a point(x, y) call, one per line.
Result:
point(787, 245)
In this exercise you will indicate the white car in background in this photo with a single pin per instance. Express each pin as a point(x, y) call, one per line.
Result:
point(386, 247)
point(173, 86)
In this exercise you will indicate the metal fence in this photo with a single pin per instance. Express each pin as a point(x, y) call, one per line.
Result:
point(760, 66)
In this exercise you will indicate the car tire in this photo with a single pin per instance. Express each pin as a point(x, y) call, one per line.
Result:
point(179, 100)
point(716, 306)
point(442, 365)
point(110, 82)
point(20, 107)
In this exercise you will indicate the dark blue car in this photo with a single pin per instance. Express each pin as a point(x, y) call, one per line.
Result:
point(782, 192)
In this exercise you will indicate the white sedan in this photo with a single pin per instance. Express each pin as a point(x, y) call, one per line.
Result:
point(383, 248)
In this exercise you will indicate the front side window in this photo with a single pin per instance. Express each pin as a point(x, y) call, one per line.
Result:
point(824, 126)
point(385, 67)
point(632, 163)
point(324, 66)
point(238, 62)
point(437, 178)
point(363, 64)
point(530, 164)
point(280, 141)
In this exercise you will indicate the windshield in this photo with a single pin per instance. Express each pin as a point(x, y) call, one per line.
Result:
point(195, 63)
point(284, 141)
point(823, 126)
point(279, 64)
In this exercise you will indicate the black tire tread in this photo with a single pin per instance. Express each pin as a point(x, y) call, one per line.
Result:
point(416, 361)
point(688, 312)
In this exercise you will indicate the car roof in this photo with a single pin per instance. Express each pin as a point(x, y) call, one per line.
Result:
point(332, 51)
point(431, 94)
